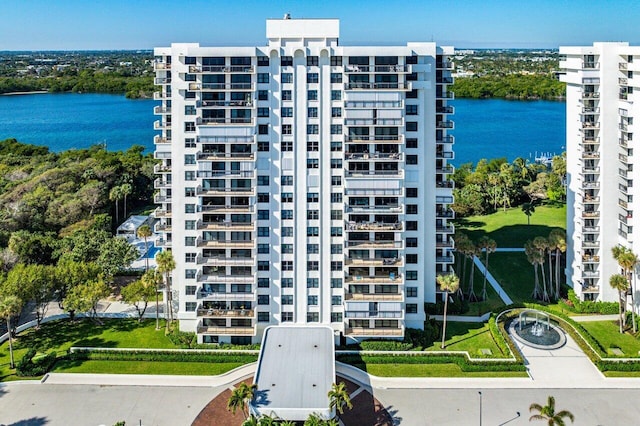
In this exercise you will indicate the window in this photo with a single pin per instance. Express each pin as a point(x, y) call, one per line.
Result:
point(190, 273)
point(312, 146)
point(312, 112)
point(287, 248)
point(336, 77)
point(412, 258)
point(336, 300)
point(189, 208)
point(287, 231)
point(336, 282)
point(412, 225)
point(336, 248)
point(412, 209)
point(336, 214)
point(286, 146)
point(411, 308)
point(287, 299)
point(190, 306)
point(263, 129)
point(312, 300)
point(412, 159)
point(312, 77)
point(189, 110)
point(286, 197)
point(411, 110)
point(189, 192)
point(312, 231)
point(312, 163)
point(189, 143)
point(413, 94)
point(263, 316)
point(312, 197)
point(412, 291)
point(412, 126)
point(286, 95)
point(263, 248)
point(263, 265)
point(336, 61)
point(189, 126)
point(411, 242)
point(411, 60)
point(287, 265)
point(263, 112)
point(190, 290)
point(336, 265)
point(190, 60)
point(313, 282)
point(263, 61)
point(312, 129)
point(336, 146)
point(189, 175)
point(189, 241)
point(287, 316)
point(263, 231)
point(190, 77)
point(286, 61)
point(336, 95)
point(411, 275)
point(286, 180)
point(190, 257)
point(312, 95)
point(263, 146)
point(287, 214)
point(313, 317)
point(312, 61)
point(336, 180)
point(263, 282)
point(189, 95)
point(263, 197)
point(189, 225)
point(336, 163)
point(336, 129)
point(286, 129)
point(412, 192)
point(313, 248)
point(263, 77)
point(336, 316)
point(263, 95)
point(263, 180)
point(286, 111)
point(312, 214)
point(286, 283)
point(336, 231)
point(336, 112)
point(412, 142)
point(313, 265)
point(263, 299)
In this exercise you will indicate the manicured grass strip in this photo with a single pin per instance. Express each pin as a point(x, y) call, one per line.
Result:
point(509, 228)
point(470, 337)
point(433, 370)
point(607, 333)
point(514, 273)
point(144, 367)
point(621, 373)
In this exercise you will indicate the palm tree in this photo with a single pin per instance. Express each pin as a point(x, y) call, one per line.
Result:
point(126, 189)
point(620, 283)
point(240, 397)
point(548, 413)
point(489, 246)
point(558, 237)
point(541, 244)
point(528, 209)
point(339, 397)
point(472, 252)
point(153, 278)
point(532, 258)
point(145, 232)
point(114, 195)
point(166, 264)
point(10, 306)
point(449, 284)
point(627, 261)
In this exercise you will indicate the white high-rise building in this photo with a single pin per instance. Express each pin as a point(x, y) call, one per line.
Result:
point(304, 182)
point(602, 103)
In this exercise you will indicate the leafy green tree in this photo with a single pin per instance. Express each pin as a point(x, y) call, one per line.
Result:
point(83, 246)
point(115, 255)
point(619, 283)
point(33, 247)
point(339, 398)
point(138, 294)
point(10, 306)
point(240, 398)
point(153, 278)
point(144, 232)
point(69, 274)
point(166, 264)
point(448, 284)
point(548, 413)
point(528, 209)
point(85, 297)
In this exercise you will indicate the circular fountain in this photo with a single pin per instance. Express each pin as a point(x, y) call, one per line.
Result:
point(533, 328)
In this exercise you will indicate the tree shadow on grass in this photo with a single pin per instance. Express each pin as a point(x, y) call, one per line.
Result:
point(95, 342)
point(469, 224)
point(512, 236)
point(33, 421)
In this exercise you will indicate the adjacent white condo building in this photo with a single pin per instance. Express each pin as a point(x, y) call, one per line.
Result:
point(304, 182)
point(603, 85)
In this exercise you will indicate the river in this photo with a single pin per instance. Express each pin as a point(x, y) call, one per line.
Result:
point(483, 128)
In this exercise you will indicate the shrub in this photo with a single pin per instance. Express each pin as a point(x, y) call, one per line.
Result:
point(164, 356)
point(420, 339)
point(465, 365)
point(573, 304)
point(28, 367)
point(183, 339)
point(385, 345)
point(457, 307)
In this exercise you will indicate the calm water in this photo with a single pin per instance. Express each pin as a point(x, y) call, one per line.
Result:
point(484, 128)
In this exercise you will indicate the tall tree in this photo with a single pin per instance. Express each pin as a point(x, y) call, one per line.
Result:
point(10, 306)
point(541, 245)
point(339, 398)
point(628, 262)
point(548, 413)
point(448, 284)
point(489, 246)
point(154, 278)
point(240, 398)
point(144, 232)
point(114, 195)
point(528, 209)
point(85, 297)
point(166, 264)
point(138, 294)
point(558, 239)
point(619, 283)
point(471, 252)
point(532, 257)
point(126, 190)
point(116, 254)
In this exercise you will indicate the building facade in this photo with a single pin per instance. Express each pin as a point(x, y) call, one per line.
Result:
point(304, 182)
point(602, 84)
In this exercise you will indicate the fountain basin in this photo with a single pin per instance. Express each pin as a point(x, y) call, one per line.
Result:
point(534, 329)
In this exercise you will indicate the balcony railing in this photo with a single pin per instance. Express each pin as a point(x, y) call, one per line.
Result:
point(445, 213)
point(234, 156)
point(198, 69)
point(445, 139)
point(374, 314)
point(222, 260)
point(205, 104)
point(377, 86)
point(590, 214)
point(374, 244)
point(161, 125)
point(162, 212)
point(225, 243)
point(159, 184)
point(217, 121)
point(377, 68)
point(590, 95)
point(231, 208)
point(226, 173)
point(225, 313)
point(158, 199)
point(373, 226)
point(373, 104)
point(157, 139)
point(245, 279)
point(444, 65)
point(373, 173)
point(161, 66)
point(375, 156)
point(218, 296)
point(445, 259)
point(445, 95)
point(158, 110)
point(225, 139)
point(590, 259)
point(591, 185)
point(444, 80)
point(373, 279)
point(361, 331)
point(161, 80)
point(374, 297)
point(375, 261)
point(161, 168)
point(220, 86)
point(374, 121)
point(161, 96)
point(392, 208)
point(444, 125)
point(447, 109)
point(240, 331)
point(375, 138)
point(226, 225)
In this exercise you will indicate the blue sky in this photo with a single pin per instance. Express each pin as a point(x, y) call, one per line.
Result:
point(143, 24)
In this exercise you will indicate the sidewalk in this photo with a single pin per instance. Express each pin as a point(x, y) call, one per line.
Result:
point(496, 286)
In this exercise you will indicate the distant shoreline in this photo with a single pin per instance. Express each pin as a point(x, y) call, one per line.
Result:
point(37, 92)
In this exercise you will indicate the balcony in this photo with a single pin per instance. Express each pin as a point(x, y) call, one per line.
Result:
point(161, 125)
point(590, 154)
point(445, 244)
point(590, 259)
point(375, 279)
point(449, 155)
point(161, 168)
point(375, 261)
point(444, 213)
point(590, 65)
point(245, 121)
point(230, 208)
point(200, 69)
point(590, 199)
point(447, 109)
point(590, 214)
point(622, 66)
point(445, 259)
point(374, 104)
point(227, 331)
point(590, 125)
point(224, 261)
point(590, 274)
point(218, 104)
point(446, 139)
point(225, 226)
point(374, 332)
point(377, 86)
point(373, 226)
point(590, 229)
point(228, 156)
point(216, 296)
point(157, 139)
point(163, 227)
point(445, 95)
point(159, 110)
point(590, 169)
point(374, 122)
point(449, 229)
point(349, 69)
point(591, 185)
point(158, 212)
point(226, 139)
point(373, 314)
point(444, 80)
point(590, 244)
point(225, 191)
point(220, 86)
point(161, 66)
point(355, 156)
point(374, 297)
point(159, 199)
point(389, 208)
point(590, 110)
point(374, 173)
point(161, 80)
point(161, 242)
point(444, 125)
point(445, 184)
point(226, 173)
point(219, 278)
point(374, 244)
point(225, 243)
point(161, 96)
point(225, 313)
point(445, 169)
point(590, 95)
point(444, 65)
point(160, 184)
point(622, 203)
point(590, 289)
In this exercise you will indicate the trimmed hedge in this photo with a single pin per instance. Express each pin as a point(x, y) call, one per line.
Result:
point(138, 355)
point(360, 361)
point(385, 345)
point(27, 367)
point(574, 304)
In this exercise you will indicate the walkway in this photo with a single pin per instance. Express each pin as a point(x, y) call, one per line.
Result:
point(496, 286)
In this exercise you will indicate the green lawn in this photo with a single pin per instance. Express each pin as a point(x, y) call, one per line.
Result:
point(478, 308)
point(142, 367)
point(509, 228)
point(514, 273)
point(433, 370)
point(608, 335)
point(470, 337)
